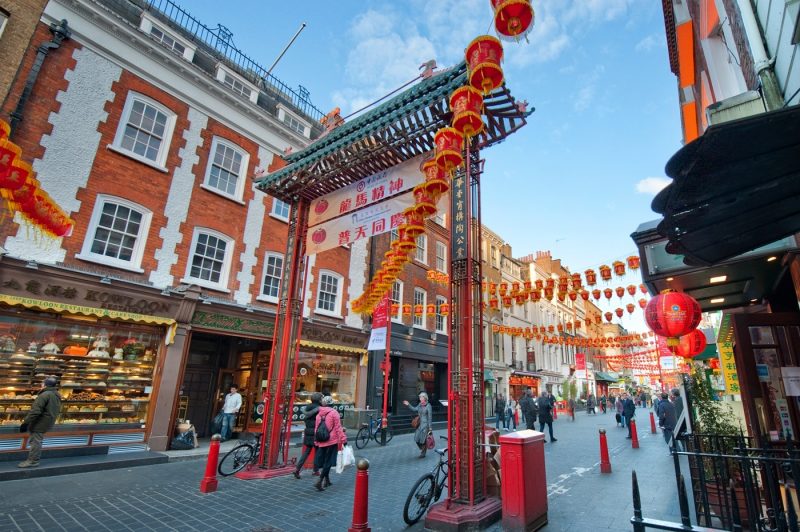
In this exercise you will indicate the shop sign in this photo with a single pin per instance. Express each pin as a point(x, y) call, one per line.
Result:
point(459, 209)
point(222, 322)
point(580, 365)
point(334, 336)
point(96, 298)
point(728, 365)
point(29, 302)
point(380, 321)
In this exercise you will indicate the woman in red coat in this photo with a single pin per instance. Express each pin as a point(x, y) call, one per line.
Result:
point(328, 450)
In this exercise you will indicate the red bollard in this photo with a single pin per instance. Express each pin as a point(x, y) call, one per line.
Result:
point(361, 498)
point(605, 461)
point(555, 412)
point(652, 424)
point(634, 435)
point(209, 482)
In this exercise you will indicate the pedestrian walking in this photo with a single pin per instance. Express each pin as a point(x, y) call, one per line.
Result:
point(511, 407)
point(499, 411)
point(328, 449)
point(590, 405)
point(425, 413)
point(528, 406)
point(628, 411)
point(546, 415)
point(603, 403)
point(230, 408)
point(310, 412)
point(666, 418)
point(41, 418)
point(620, 406)
point(571, 404)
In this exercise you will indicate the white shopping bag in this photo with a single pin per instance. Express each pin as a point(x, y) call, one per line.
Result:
point(340, 462)
point(348, 456)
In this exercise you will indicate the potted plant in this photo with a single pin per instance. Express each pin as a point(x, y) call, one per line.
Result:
point(132, 348)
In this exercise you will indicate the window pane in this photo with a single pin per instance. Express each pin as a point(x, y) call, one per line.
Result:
point(117, 232)
point(328, 292)
point(144, 130)
point(208, 259)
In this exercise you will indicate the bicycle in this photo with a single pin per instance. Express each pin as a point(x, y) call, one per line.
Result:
point(427, 489)
point(237, 458)
point(372, 430)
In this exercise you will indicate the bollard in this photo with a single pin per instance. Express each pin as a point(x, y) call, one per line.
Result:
point(555, 412)
point(652, 424)
point(209, 482)
point(605, 461)
point(361, 498)
point(634, 435)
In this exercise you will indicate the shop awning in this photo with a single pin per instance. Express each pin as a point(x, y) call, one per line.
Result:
point(708, 353)
point(488, 376)
point(734, 189)
point(526, 374)
point(333, 347)
point(607, 377)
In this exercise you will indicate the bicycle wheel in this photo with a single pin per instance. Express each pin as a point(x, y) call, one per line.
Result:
point(235, 459)
point(362, 438)
point(389, 436)
point(419, 499)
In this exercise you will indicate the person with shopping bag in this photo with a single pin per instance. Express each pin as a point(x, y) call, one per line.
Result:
point(425, 413)
point(330, 439)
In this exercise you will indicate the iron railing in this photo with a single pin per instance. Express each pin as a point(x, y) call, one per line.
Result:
point(220, 40)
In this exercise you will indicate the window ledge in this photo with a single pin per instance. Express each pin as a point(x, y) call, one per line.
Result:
point(267, 299)
point(221, 194)
point(137, 158)
point(327, 313)
point(106, 262)
point(205, 284)
point(279, 218)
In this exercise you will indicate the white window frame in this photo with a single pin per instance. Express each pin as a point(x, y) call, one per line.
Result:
point(497, 346)
point(441, 256)
point(166, 140)
point(222, 284)
point(337, 305)
point(440, 300)
point(3, 21)
point(261, 295)
point(241, 178)
point(285, 116)
point(223, 71)
point(421, 251)
point(148, 22)
point(394, 234)
point(418, 322)
point(440, 218)
point(274, 210)
point(398, 286)
point(141, 240)
point(494, 257)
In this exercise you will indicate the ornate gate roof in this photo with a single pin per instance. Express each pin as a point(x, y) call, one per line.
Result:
point(395, 131)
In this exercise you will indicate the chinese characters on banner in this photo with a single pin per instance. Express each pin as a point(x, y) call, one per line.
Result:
point(460, 229)
point(580, 365)
point(728, 366)
point(380, 321)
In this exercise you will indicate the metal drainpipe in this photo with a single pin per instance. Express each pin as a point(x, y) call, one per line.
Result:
point(60, 32)
point(773, 97)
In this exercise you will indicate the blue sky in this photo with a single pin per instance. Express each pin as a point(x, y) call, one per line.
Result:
point(579, 178)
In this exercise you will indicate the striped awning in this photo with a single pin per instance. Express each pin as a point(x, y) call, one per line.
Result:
point(332, 347)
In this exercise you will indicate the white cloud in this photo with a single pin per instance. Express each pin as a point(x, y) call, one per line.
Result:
point(648, 43)
point(652, 185)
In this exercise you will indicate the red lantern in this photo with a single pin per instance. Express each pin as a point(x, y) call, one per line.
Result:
point(633, 262)
point(494, 303)
point(643, 288)
point(512, 18)
point(548, 293)
point(630, 307)
point(507, 301)
point(16, 175)
point(406, 242)
point(572, 295)
point(576, 281)
point(642, 303)
point(431, 309)
point(539, 284)
point(551, 329)
point(560, 328)
point(632, 289)
point(10, 153)
point(435, 179)
point(484, 55)
point(515, 288)
point(563, 283)
point(444, 309)
point(425, 205)
point(395, 308)
point(415, 224)
point(419, 310)
point(619, 312)
point(536, 295)
point(692, 344)
point(672, 314)
point(466, 103)
point(619, 267)
point(449, 145)
point(591, 277)
point(588, 322)
point(608, 293)
point(503, 288)
point(609, 317)
point(585, 295)
point(620, 291)
point(596, 294)
point(562, 296)
point(605, 272)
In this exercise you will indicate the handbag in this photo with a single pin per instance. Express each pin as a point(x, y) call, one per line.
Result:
point(216, 424)
point(415, 422)
point(429, 441)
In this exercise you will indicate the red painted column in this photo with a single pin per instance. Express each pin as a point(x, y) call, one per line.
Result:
point(605, 461)
point(209, 482)
point(634, 435)
point(361, 498)
point(652, 423)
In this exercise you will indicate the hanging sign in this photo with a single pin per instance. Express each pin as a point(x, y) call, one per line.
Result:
point(368, 191)
point(580, 365)
point(728, 365)
point(380, 322)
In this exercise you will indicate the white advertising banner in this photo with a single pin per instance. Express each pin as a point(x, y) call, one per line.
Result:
point(367, 222)
point(368, 191)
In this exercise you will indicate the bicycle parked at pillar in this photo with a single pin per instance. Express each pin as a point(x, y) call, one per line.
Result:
point(237, 458)
point(427, 489)
point(372, 431)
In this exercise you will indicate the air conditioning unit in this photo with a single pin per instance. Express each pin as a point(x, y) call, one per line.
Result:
point(740, 106)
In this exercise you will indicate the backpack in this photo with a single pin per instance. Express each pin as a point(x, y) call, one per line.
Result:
point(322, 433)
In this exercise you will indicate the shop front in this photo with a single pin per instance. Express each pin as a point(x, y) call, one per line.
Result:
point(520, 381)
point(104, 340)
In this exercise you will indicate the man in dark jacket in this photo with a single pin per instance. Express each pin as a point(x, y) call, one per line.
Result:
point(310, 412)
point(40, 419)
point(545, 406)
point(499, 410)
point(628, 411)
point(528, 407)
point(666, 417)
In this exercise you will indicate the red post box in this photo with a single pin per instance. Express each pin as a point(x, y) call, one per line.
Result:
point(524, 485)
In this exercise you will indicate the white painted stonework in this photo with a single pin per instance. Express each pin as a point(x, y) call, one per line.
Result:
point(358, 280)
point(70, 149)
point(309, 302)
point(180, 195)
point(253, 226)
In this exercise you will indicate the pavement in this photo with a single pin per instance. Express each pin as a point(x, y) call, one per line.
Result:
point(167, 497)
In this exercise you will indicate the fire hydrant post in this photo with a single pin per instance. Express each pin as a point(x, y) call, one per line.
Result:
point(361, 498)
point(652, 423)
point(634, 435)
point(605, 461)
point(209, 482)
